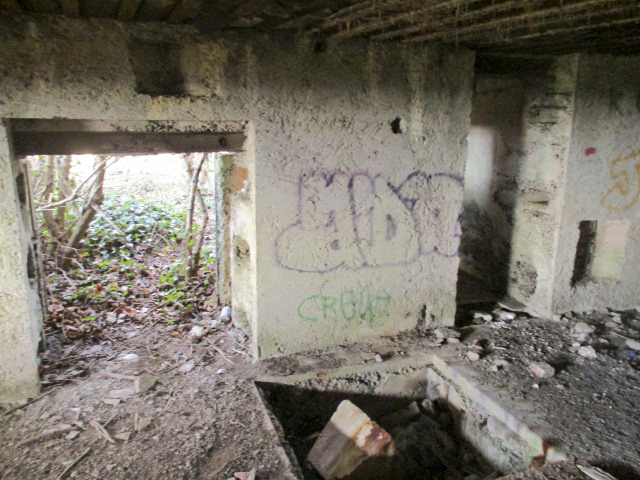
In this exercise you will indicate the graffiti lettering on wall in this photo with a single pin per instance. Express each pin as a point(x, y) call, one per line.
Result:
point(358, 220)
point(625, 174)
point(348, 306)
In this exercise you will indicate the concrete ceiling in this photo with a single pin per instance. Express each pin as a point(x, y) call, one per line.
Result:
point(506, 26)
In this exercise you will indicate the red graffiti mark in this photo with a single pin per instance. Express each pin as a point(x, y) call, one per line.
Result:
point(590, 151)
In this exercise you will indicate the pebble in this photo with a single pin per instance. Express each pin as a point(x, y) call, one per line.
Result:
point(378, 358)
point(499, 364)
point(144, 383)
point(196, 332)
point(453, 340)
point(587, 352)
point(225, 314)
point(131, 358)
point(482, 316)
point(220, 371)
point(574, 347)
point(535, 385)
point(542, 370)
point(187, 367)
point(633, 344)
point(473, 356)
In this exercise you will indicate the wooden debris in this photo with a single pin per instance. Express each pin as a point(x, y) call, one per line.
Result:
point(595, 473)
point(75, 463)
point(349, 439)
point(47, 433)
point(102, 431)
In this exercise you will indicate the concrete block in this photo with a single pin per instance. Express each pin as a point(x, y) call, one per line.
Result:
point(347, 441)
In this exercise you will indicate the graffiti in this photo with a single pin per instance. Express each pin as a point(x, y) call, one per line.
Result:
point(625, 173)
point(346, 307)
point(356, 221)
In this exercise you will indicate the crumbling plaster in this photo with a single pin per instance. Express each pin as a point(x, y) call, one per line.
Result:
point(355, 220)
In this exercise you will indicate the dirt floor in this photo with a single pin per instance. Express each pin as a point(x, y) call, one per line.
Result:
point(153, 401)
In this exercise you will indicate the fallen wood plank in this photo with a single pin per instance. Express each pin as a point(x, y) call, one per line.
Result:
point(349, 439)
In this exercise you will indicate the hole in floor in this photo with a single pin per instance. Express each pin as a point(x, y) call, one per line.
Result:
point(427, 440)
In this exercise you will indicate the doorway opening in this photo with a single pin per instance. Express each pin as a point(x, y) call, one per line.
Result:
point(131, 239)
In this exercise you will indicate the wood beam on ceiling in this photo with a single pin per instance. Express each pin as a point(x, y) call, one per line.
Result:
point(418, 27)
point(576, 35)
point(128, 9)
point(383, 21)
point(11, 6)
point(71, 8)
point(382, 17)
point(185, 11)
point(545, 17)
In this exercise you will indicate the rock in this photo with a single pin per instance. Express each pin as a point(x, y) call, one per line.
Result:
point(196, 332)
point(499, 364)
point(349, 439)
point(225, 314)
point(574, 347)
point(220, 371)
point(587, 352)
point(378, 358)
point(186, 367)
point(251, 475)
point(504, 316)
point(440, 333)
point(486, 317)
point(473, 356)
point(616, 318)
point(145, 383)
point(581, 327)
point(542, 370)
point(123, 393)
point(633, 344)
point(131, 358)
point(124, 436)
point(453, 340)
point(72, 434)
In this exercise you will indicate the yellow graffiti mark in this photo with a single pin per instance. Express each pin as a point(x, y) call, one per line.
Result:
point(625, 191)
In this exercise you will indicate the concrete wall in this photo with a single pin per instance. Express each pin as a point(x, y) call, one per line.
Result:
point(354, 158)
point(491, 177)
point(603, 184)
point(20, 304)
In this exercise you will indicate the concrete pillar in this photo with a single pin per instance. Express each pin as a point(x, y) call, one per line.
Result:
point(548, 122)
point(20, 315)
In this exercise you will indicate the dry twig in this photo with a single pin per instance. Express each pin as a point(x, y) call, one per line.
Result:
point(47, 433)
point(73, 465)
point(101, 431)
